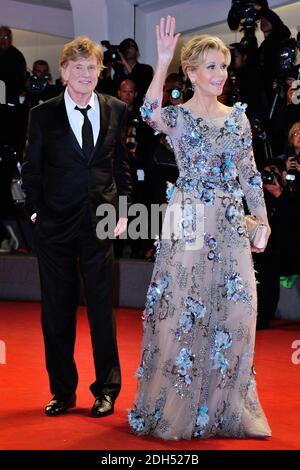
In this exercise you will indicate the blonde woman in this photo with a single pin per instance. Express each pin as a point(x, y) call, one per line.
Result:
point(293, 159)
point(196, 376)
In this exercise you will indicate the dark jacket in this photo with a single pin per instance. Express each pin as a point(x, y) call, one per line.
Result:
point(61, 185)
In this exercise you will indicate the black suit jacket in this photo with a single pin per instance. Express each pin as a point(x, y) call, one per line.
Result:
point(60, 184)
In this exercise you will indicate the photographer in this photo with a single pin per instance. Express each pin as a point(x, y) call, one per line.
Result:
point(292, 158)
point(280, 257)
point(246, 14)
point(122, 62)
point(140, 74)
point(275, 33)
point(246, 83)
point(13, 115)
point(39, 84)
point(138, 140)
point(127, 93)
point(164, 168)
point(267, 264)
point(174, 90)
point(286, 114)
point(12, 67)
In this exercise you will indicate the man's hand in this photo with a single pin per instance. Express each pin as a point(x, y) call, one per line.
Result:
point(121, 226)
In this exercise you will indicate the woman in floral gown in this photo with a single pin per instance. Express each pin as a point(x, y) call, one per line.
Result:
point(196, 376)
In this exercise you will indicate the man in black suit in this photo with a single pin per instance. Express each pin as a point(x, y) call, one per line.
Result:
point(75, 160)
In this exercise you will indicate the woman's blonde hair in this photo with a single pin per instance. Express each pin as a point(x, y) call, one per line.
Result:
point(295, 127)
point(79, 48)
point(196, 49)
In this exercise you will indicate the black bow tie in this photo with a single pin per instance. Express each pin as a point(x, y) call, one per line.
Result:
point(86, 132)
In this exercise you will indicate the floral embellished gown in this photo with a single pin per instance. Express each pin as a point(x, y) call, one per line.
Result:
point(196, 376)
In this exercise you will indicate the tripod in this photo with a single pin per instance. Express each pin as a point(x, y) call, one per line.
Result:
point(279, 92)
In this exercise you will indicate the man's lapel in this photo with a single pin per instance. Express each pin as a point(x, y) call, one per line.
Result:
point(104, 122)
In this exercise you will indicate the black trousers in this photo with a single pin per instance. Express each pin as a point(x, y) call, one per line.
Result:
point(60, 287)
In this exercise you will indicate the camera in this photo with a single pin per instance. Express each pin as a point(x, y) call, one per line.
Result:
point(290, 180)
point(234, 92)
point(268, 177)
point(287, 55)
point(111, 55)
point(243, 13)
point(258, 129)
point(131, 141)
point(37, 84)
point(175, 92)
point(294, 72)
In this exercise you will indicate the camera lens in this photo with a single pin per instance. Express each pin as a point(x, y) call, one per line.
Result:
point(131, 143)
point(268, 177)
point(175, 93)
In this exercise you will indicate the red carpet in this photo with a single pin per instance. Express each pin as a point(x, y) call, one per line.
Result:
point(24, 389)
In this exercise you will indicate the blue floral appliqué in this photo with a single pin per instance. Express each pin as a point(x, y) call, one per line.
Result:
point(147, 109)
point(228, 170)
point(210, 241)
point(186, 321)
point(255, 181)
point(184, 361)
point(155, 292)
point(212, 244)
point(223, 340)
point(234, 287)
point(201, 422)
point(170, 190)
point(136, 420)
point(231, 123)
point(208, 197)
point(169, 115)
point(232, 213)
point(196, 307)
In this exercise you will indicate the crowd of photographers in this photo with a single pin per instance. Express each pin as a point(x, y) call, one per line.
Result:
point(266, 77)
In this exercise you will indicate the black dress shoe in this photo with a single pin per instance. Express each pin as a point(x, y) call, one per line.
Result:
point(103, 406)
point(58, 406)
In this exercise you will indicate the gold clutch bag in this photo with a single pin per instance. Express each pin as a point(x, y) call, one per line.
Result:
point(257, 231)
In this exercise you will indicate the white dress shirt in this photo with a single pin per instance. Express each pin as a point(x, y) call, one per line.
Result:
point(76, 118)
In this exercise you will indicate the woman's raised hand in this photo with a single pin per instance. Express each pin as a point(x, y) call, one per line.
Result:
point(166, 40)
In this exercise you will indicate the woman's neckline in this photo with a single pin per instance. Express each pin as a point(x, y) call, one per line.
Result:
point(225, 116)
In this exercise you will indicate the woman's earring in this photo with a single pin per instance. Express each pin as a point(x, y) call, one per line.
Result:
point(193, 83)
